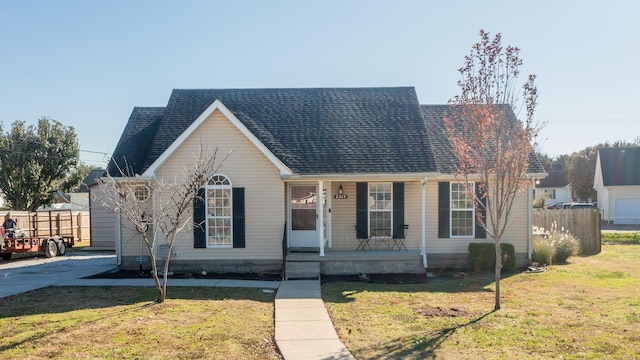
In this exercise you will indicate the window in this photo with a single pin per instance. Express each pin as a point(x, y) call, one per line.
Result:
point(219, 211)
point(380, 209)
point(462, 210)
point(141, 192)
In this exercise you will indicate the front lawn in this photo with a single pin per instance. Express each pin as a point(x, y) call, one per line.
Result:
point(124, 323)
point(588, 308)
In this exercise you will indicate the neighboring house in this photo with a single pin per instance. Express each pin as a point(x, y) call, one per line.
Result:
point(308, 167)
point(555, 187)
point(617, 181)
point(78, 200)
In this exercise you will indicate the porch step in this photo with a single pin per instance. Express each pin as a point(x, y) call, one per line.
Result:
point(302, 270)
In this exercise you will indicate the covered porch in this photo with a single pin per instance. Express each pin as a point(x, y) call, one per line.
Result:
point(333, 215)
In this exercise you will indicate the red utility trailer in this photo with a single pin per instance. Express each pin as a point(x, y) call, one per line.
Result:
point(33, 239)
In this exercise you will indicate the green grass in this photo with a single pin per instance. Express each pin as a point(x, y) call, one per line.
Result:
point(628, 237)
point(588, 308)
point(124, 323)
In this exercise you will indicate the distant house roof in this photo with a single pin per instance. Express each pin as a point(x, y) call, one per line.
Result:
point(311, 130)
point(620, 166)
point(554, 179)
point(92, 178)
point(434, 116)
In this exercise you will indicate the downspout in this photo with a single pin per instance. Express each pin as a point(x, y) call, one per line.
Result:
point(320, 211)
point(423, 234)
point(118, 238)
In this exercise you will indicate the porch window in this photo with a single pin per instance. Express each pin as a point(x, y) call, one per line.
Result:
point(219, 211)
point(462, 210)
point(380, 209)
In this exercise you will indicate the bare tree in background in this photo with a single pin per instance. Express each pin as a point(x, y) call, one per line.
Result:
point(160, 219)
point(493, 148)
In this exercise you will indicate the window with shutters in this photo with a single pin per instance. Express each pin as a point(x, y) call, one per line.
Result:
point(462, 210)
point(380, 209)
point(219, 211)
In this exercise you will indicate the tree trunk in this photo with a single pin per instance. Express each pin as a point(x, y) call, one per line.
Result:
point(497, 271)
point(160, 288)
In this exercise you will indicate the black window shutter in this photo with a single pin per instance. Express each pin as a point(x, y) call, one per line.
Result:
point(238, 218)
point(199, 224)
point(480, 232)
point(443, 210)
point(362, 208)
point(398, 208)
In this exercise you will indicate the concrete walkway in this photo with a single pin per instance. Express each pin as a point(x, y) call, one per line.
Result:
point(303, 327)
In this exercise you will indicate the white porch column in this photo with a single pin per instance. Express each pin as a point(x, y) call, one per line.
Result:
point(328, 205)
point(423, 225)
point(320, 210)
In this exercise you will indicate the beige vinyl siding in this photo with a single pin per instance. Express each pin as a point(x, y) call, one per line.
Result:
point(515, 234)
point(246, 167)
point(103, 221)
point(343, 216)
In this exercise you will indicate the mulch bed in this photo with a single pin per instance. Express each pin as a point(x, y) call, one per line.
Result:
point(137, 274)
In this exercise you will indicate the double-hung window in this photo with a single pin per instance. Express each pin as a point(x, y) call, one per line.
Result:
point(380, 209)
point(219, 211)
point(462, 209)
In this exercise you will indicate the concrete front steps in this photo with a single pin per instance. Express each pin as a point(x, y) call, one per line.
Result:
point(302, 270)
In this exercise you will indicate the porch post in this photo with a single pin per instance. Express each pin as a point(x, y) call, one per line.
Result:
point(423, 225)
point(320, 217)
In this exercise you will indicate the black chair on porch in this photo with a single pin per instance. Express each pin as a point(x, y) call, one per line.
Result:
point(363, 238)
point(400, 236)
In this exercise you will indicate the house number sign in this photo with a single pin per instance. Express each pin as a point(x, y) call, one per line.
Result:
point(340, 196)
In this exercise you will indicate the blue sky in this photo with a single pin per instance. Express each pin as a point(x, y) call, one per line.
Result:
point(88, 63)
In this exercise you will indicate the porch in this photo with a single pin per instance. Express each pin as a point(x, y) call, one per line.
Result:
point(353, 262)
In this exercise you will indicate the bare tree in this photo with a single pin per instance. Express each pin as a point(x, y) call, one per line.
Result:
point(493, 147)
point(160, 220)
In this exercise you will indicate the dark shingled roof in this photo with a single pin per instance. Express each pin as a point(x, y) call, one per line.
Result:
point(554, 179)
point(620, 166)
point(434, 116)
point(132, 149)
point(312, 131)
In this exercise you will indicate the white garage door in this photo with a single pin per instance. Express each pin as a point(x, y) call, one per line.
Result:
point(627, 211)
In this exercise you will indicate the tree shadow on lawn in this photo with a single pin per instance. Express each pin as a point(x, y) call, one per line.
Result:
point(422, 346)
point(61, 299)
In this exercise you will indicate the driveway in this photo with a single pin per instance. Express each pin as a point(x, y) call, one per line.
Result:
point(22, 275)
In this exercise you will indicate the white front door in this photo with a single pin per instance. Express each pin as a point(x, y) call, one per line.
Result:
point(303, 216)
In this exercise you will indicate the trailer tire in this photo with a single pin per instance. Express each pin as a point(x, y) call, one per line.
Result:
point(62, 247)
point(50, 248)
point(6, 256)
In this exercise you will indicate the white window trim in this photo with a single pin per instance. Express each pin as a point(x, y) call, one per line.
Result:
point(140, 188)
point(207, 216)
point(473, 212)
point(379, 210)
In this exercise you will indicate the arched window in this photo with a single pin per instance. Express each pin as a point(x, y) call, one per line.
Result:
point(219, 211)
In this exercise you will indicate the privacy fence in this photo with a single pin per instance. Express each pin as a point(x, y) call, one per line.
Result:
point(43, 224)
point(583, 224)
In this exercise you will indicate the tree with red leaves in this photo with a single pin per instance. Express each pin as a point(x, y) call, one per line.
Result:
point(492, 146)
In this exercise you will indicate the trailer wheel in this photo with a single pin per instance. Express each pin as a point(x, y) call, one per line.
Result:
point(62, 247)
point(6, 256)
point(50, 248)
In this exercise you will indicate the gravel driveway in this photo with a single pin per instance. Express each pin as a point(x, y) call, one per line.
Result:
point(22, 275)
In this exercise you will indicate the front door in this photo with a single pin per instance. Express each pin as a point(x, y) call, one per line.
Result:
point(303, 224)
